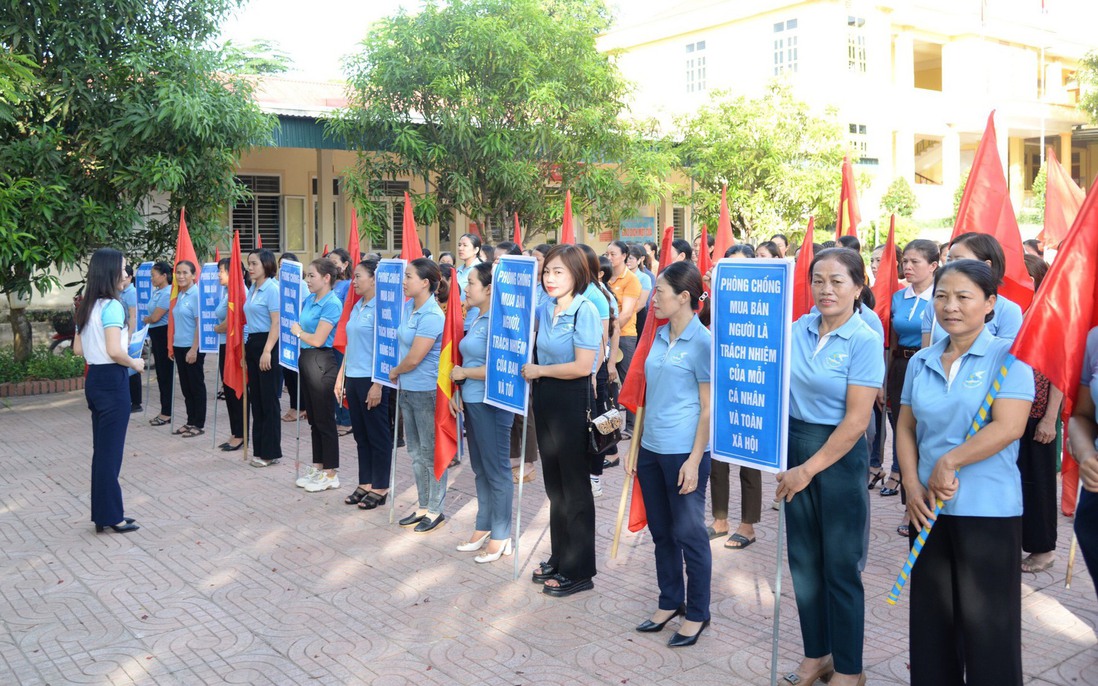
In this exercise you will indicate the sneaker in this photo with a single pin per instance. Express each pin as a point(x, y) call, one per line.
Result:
point(307, 477)
point(322, 482)
point(596, 486)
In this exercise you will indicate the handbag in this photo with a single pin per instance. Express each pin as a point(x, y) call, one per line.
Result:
point(603, 430)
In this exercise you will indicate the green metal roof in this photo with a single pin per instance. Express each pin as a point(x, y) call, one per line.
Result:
point(304, 132)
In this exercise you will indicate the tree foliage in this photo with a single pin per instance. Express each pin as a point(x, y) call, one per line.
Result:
point(1088, 82)
point(900, 198)
point(258, 57)
point(128, 101)
point(781, 162)
point(500, 105)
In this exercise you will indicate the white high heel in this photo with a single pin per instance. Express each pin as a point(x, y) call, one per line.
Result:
point(505, 549)
point(474, 545)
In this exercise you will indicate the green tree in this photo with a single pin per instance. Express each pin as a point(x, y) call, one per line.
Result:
point(900, 198)
point(1038, 189)
point(128, 102)
point(257, 57)
point(959, 194)
point(781, 163)
point(1088, 82)
point(500, 105)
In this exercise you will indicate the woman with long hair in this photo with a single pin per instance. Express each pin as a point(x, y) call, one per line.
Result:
point(233, 405)
point(188, 360)
point(157, 319)
point(342, 260)
point(102, 338)
point(606, 373)
point(468, 256)
point(261, 331)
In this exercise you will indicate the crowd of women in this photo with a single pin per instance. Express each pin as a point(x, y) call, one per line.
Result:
point(950, 334)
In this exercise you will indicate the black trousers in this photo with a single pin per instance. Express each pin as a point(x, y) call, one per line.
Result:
point(135, 390)
point(192, 382)
point(164, 368)
point(966, 603)
point(1086, 529)
point(233, 404)
point(561, 420)
point(105, 389)
point(373, 432)
point(291, 378)
point(1037, 463)
point(263, 388)
point(318, 373)
point(603, 399)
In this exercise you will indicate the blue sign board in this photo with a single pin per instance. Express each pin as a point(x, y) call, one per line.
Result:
point(637, 229)
point(142, 281)
point(289, 310)
point(752, 323)
point(390, 306)
point(510, 333)
point(209, 297)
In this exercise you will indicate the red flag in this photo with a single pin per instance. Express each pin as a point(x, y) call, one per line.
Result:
point(217, 254)
point(258, 242)
point(1062, 202)
point(325, 252)
point(184, 250)
point(985, 208)
point(632, 387)
point(724, 239)
point(567, 233)
point(888, 281)
point(234, 336)
point(349, 300)
point(410, 249)
point(446, 435)
point(705, 263)
point(638, 516)
point(802, 277)
point(518, 233)
point(849, 216)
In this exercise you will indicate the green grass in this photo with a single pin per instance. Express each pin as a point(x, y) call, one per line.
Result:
point(42, 365)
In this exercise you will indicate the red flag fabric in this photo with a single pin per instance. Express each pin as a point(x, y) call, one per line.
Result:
point(217, 254)
point(518, 233)
point(349, 300)
point(887, 283)
point(446, 434)
point(258, 242)
point(1063, 199)
point(632, 387)
point(567, 233)
point(705, 263)
point(985, 208)
point(802, 278)
point(724, 239)
point(234, 336)
point(638, 516)
point(410, 249)
point(848, 213)
point(324, 253)
point(184, 250)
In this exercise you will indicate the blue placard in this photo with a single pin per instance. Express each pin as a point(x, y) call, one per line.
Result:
point(289, 311)
point(510, 333)
point(752, 324)
point(390, 305)
point(209, 297)
point(142, 281)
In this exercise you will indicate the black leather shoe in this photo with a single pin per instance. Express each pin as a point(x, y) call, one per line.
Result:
point(427, 525)
point(607, 464)
point(412, 519)
point(124, 529)
point(543, 573)
point(680, 641)
point(223, 445)
point(232, 448)
point(650, 627)
point(567, 586)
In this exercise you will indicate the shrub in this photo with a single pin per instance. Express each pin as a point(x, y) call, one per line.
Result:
point(900, 198)
point(42, 365)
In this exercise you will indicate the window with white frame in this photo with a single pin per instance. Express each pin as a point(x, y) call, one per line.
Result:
point(259, 217)
point(695, 67)
point(855, 44)
point(858, 140)
point(389, 195)
point(785, 46)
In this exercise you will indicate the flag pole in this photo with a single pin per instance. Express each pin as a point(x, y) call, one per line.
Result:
point(244, 399)
point(777, 595)
point(297, 426)
point(214, 443)
point(518, 511)
point(631, 463)
point(147, 350)
point(175, 365)
point(393, 465)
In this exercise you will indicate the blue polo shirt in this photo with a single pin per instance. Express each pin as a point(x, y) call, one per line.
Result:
point(673, 372)
point(340, 288)
point(820, 374)
point(594, 294)
point(185, 315)
point(426, 322)
point(944, 411)
point(222, 313)
point(578, 326)
point(360, 339)
point(1006, 323)
point(542, 297)
point(1090, 369)
point(160, 299)
point(463, 276)
point(868, 315)
point(129, 298)
point(474, 353)
point(262, 301)
point(907, 315)
point(313, 311)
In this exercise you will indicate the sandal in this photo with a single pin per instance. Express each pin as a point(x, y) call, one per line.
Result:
point(159, 421)
point(543, 573)
point(741, 541)
point(1031, 567)
point(373, 501)
point(875, 478)
point(182, 430)
point(904, 530)
point(344, 432)
point(887, 490)
point(713, 533)
point(356, 497)
point(290, 417)
point(195, 431)
point(566, 586)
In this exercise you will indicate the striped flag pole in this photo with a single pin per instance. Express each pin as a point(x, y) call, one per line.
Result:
point(978, 422)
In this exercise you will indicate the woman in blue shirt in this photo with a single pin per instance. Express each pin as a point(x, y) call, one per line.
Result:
point(1083, 434)
point(966, 599)
point(233, 404)
point(261, 333)
point(673, 481)
point(468, 253)
point(568, 343)
point(102, 339)
point(315, 328)
point(488, 428)
point(368, 400)
point(836, 371)
point(129, 301)
point(188, 361)
point(420, 346)
point(342, 260)
point(157, 319)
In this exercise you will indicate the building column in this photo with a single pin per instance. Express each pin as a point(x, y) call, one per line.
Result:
point(951, 158)
point(325, 199)
point(1065, 150)
point(1016, 174)
point(904, 155)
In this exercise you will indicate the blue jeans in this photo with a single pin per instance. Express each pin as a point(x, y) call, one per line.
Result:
point(677, 523)
point(107, 391)
point(1086, 528)
point(489, 430)
point(418, 410)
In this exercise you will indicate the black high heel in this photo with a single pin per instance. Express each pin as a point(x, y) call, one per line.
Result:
point(680, 641)
point(876, 478)
point(372, 501)
point(887, 491)
point(650, 627)
point(123, 529)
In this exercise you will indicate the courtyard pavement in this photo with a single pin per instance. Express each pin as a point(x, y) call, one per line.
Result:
point(238, 577)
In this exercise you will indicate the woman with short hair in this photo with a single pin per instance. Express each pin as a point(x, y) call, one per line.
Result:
point(261, 331)
point(157, 319)
point(188, 360)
